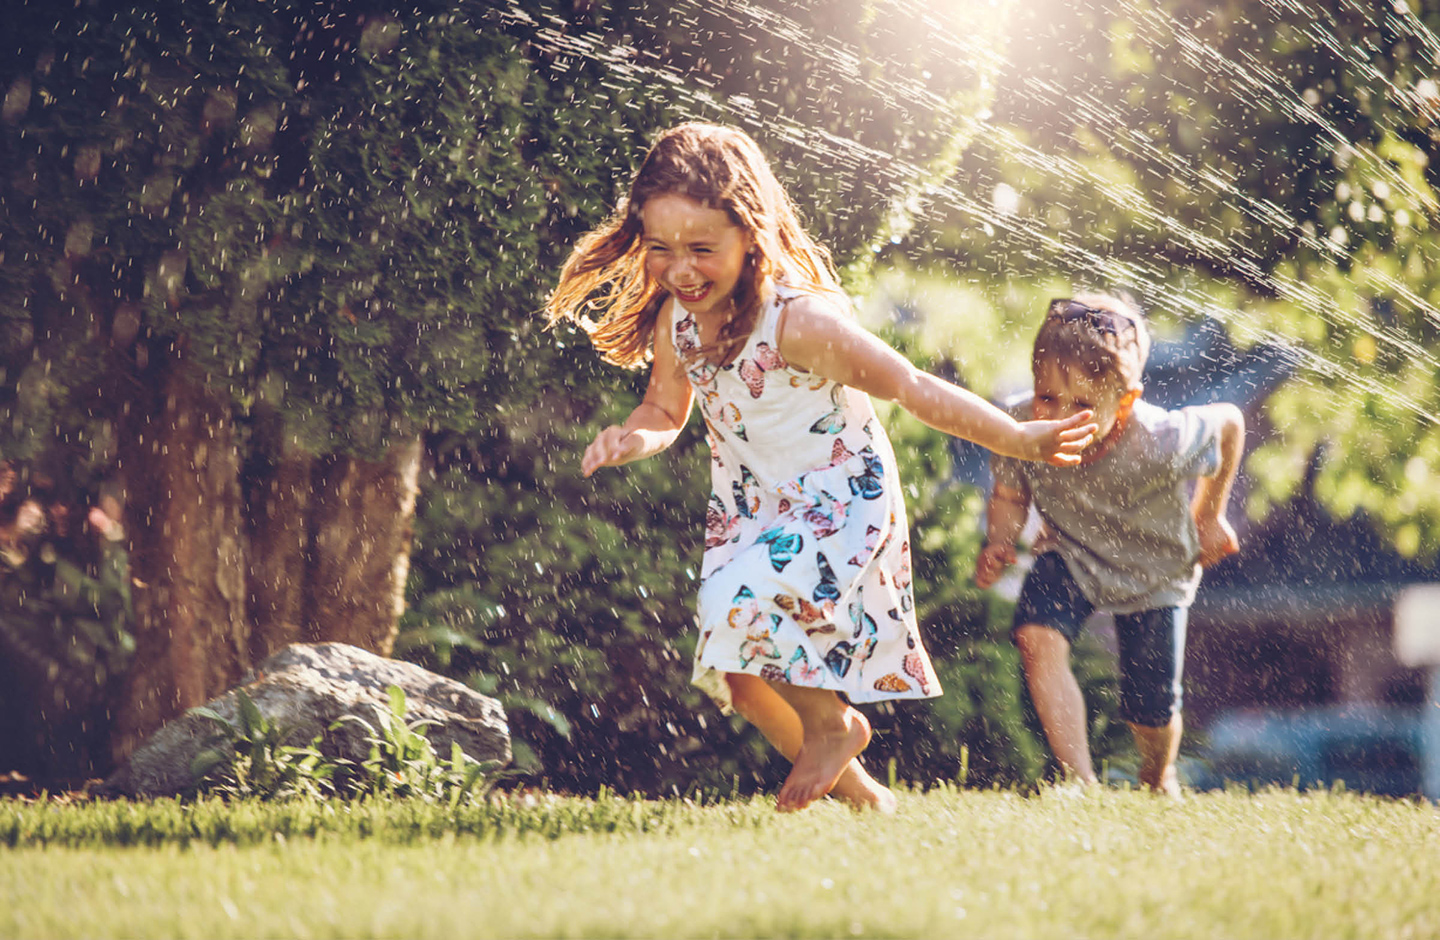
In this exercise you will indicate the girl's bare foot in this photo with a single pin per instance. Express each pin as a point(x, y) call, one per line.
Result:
point(862, 791)
point(823, 757)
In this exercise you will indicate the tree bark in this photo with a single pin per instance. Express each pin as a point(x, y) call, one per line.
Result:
point(363, 523)
point(278, 519)
point(187, 550)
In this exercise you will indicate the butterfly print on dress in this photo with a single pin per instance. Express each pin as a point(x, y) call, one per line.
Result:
point(752, 371)
point(746, 491)
point(870, 483)
point(872, 538)
point(834, 422)
point(828, 520)
point(720, 526)
point(815, 619)
point(801, 671)
point(783, 548)
point(826, 590)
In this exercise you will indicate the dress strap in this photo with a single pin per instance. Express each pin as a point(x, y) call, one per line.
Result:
point(768, 327)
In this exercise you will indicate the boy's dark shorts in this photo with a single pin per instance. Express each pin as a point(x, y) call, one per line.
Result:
point(1152, 642)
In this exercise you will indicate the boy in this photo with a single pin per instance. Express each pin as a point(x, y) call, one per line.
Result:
point(1120, 533)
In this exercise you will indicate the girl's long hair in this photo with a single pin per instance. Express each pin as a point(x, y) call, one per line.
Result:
point(604, 288)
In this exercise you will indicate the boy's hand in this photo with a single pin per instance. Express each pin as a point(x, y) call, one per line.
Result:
point(1058, 442)
point(994, 559)
point(1217, 539)
point(611, 448)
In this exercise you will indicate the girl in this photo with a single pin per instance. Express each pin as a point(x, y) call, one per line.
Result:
point(1120, 532)
point(805, 586)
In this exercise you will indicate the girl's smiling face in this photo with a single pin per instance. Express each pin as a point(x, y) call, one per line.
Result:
point(693, 251)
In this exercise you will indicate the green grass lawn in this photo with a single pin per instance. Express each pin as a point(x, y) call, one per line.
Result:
point(952, 863)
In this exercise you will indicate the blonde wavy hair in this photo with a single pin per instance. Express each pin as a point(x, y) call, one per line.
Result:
point(604, 288)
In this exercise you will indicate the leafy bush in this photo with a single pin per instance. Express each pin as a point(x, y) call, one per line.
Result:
point(402, 761)
point(249, 758)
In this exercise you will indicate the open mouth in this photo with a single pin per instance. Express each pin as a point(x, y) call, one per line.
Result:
point(690, 295)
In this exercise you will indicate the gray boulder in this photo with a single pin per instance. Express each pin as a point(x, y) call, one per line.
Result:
point(306, 687)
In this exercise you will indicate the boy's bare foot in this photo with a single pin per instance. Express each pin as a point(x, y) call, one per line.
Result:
point(862, 791)
point(1169, 784)
point(822, 759)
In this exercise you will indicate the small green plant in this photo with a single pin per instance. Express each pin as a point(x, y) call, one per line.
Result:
point(403, 762)
point(249, 758)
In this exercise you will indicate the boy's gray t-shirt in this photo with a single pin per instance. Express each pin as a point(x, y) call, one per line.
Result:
point(1123, 523)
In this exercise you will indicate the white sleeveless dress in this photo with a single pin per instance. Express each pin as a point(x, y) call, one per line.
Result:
point(806, 574)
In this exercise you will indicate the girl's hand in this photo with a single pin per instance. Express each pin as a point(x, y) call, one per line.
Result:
point(1217, 538)
point(994, 559)
point(1058, 442)
point(611, 448)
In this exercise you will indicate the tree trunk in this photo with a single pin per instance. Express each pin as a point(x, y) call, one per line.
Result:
point(363, 518)
point(319, 551)
point(181, 470)
point(278, 519)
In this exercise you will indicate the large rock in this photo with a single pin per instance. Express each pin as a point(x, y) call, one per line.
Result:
point(307, 686)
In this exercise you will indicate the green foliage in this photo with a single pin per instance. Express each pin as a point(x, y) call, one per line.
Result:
point(249, 758)
point(402, 761)
point(1272, 165)
point(67, 638)
point(338, 219)
point(571, 601)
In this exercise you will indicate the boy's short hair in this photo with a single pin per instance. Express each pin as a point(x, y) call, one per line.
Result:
point(1102, 334)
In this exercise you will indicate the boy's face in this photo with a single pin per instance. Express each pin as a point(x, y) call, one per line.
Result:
point(693, 251)
point(1061, 392)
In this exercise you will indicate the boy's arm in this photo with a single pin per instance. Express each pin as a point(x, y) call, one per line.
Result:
point(1212, 493)
point(657, 420)
point(1005, 516)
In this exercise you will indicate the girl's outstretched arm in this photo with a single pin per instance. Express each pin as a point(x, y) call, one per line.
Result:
point(657, 420)
point(815, 336)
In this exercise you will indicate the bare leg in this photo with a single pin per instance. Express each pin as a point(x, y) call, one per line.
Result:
point(1159, 747)
point(1045, 655)
point(763, 707)
point(833, 735)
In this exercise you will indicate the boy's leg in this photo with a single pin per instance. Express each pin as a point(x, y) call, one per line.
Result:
point(833, 735)
point(1159, 747)
point(1045, 656)
point(1049, 615)
point(763, 707)
point(1152, 662)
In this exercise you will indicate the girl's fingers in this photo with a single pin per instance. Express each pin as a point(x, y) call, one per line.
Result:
point(1071, 432)
point(604, 451)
